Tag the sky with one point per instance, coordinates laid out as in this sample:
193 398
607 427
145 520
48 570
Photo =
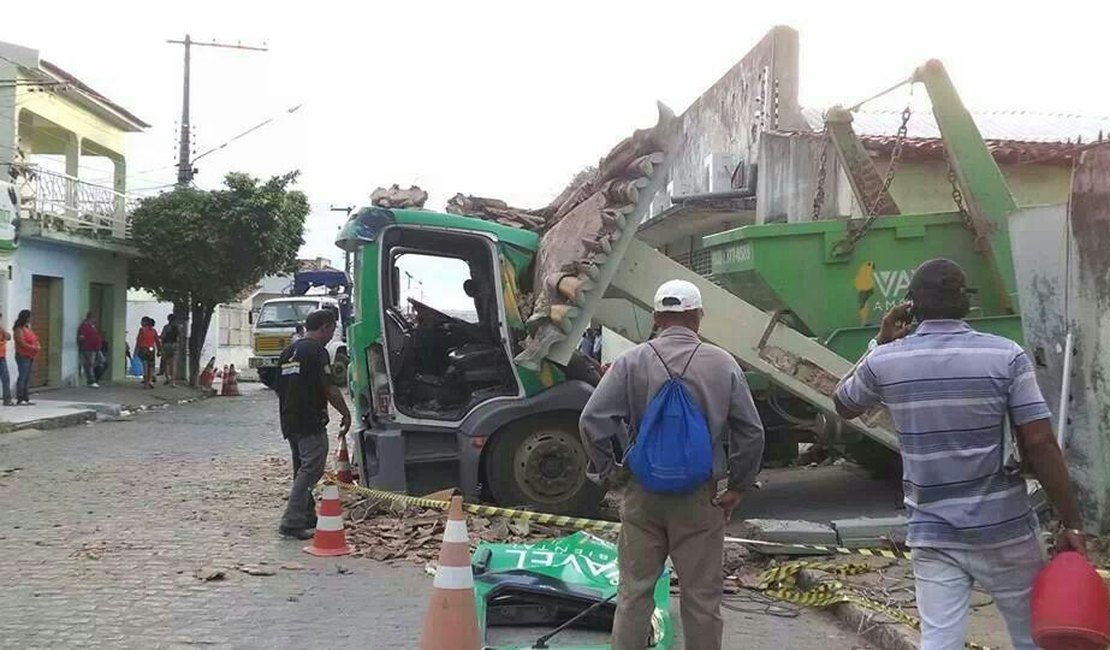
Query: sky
510 99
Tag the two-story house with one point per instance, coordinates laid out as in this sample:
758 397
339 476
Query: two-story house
65 250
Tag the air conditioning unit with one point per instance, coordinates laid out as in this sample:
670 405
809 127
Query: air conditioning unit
720 169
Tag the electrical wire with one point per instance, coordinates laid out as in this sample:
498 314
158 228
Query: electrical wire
758 603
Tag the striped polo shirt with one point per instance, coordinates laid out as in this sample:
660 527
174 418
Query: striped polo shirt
948 389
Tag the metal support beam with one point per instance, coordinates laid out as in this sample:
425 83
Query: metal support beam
984 189
866 182
798 364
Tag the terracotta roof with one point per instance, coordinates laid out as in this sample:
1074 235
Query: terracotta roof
1014 137
1009 152
1021 126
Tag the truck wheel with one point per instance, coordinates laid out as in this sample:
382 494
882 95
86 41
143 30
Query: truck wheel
268 377
882 463
339 369
539 462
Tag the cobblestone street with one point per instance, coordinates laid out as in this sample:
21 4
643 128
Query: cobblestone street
105 526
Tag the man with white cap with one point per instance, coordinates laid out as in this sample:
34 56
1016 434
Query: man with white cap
688 527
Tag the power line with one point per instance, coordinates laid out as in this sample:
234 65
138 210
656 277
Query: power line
185 170
254 128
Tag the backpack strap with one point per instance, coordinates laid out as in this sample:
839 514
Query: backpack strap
684 368
687 366
669 373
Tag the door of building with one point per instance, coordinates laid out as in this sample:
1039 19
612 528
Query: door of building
100 305
41 300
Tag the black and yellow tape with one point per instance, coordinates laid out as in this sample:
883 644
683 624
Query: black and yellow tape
595 525
561 521
780 582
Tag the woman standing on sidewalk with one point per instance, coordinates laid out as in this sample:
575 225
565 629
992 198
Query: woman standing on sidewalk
169 349
5 378
146 346
26 349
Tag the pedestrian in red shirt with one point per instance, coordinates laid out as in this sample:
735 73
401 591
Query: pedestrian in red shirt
147 344
89 343
5 378
27 347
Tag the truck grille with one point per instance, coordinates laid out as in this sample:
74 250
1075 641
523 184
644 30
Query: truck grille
270 344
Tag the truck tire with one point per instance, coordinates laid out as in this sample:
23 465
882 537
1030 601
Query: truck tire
539 463
339 369
268 376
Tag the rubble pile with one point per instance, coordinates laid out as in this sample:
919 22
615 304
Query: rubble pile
389 531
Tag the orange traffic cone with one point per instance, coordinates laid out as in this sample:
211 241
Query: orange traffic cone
343 462
208 374
452 621
230 387
330 539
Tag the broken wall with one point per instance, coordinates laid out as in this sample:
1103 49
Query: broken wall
1062 263
759 93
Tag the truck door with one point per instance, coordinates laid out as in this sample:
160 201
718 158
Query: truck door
443 323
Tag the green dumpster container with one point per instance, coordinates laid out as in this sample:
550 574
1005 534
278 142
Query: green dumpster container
840 299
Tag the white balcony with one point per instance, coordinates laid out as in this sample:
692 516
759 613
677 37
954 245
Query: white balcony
52 203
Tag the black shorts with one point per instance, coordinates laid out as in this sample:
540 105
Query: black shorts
146 354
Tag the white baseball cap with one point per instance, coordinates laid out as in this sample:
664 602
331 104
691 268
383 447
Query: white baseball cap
677 295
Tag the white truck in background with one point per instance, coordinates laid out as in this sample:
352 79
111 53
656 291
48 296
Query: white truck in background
273 327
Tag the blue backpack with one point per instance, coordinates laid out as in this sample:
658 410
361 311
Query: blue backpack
672 452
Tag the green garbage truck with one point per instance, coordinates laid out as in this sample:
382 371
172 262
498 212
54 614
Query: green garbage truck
480 385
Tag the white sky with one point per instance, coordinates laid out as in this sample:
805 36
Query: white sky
510 99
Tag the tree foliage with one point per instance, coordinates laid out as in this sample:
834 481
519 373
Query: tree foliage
201 248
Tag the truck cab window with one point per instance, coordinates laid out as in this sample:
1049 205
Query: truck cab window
446 349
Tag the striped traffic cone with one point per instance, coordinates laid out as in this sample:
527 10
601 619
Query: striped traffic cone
330 540
343 462
452 620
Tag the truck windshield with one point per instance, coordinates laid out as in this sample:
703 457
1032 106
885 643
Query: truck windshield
285 314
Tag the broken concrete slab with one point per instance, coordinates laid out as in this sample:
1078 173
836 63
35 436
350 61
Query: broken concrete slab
870 532
787 531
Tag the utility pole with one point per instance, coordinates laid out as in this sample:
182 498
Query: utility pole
184 166
185 171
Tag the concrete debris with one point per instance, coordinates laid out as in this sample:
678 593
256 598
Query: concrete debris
395 197
870 532
256 570
791 532
387 531
209 574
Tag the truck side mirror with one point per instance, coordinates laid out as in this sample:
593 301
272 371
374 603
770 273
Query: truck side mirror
250 317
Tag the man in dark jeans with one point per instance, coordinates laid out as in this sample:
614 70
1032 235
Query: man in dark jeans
304 389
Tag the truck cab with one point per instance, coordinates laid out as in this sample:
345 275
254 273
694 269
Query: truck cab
276 322
439 402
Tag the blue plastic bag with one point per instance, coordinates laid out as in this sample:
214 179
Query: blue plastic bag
136 369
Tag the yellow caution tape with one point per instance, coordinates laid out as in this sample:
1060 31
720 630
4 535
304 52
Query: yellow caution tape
581 523
780 582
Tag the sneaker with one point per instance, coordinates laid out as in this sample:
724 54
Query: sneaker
295 533
94 385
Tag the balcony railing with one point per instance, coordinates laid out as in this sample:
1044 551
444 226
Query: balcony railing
62 203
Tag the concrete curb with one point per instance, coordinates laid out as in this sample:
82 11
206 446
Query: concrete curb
76 418
885 635
126 410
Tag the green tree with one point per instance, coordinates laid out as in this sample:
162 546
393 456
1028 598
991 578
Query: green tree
201 248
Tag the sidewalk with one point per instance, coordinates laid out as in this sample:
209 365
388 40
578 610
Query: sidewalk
63 407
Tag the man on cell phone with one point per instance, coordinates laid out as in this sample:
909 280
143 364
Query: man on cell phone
953 392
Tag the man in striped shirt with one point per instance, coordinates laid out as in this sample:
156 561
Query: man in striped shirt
951 392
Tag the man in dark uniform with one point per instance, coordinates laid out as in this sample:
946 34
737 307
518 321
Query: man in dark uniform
304 390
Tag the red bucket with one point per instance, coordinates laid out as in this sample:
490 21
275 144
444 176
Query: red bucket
1070 606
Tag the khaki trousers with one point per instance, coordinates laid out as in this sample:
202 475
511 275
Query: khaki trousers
691 530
